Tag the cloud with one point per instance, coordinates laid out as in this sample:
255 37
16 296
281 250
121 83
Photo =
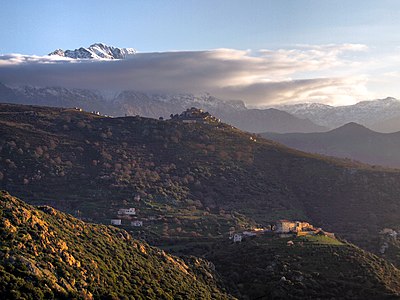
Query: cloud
19 59
334 91
259 78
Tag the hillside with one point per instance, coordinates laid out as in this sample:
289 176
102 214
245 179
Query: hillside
312 268
196 180
46 254
349 141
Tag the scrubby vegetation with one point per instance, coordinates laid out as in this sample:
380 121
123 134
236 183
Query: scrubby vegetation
190 184
195 181
46 254
267 267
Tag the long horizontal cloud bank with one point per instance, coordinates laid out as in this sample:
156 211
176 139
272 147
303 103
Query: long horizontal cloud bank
261 78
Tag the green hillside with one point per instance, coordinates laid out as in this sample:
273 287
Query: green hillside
313 267
187 181
46 254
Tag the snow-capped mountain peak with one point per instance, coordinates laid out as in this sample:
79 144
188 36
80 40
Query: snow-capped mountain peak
96 51
367 113
301 108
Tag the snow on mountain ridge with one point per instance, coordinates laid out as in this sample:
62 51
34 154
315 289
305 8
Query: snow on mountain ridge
32 91
131 103
303 108
202 100
96 51
365 112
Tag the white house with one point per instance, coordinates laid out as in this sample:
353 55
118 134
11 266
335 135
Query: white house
137 223
127 211
116 222
249 233
237 238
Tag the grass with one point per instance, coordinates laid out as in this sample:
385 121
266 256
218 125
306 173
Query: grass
319 240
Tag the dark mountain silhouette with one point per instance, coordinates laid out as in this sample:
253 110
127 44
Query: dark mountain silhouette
352 141
253 120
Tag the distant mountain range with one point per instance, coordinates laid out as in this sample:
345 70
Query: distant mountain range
96 51
381 115
53 96
352 141
133 103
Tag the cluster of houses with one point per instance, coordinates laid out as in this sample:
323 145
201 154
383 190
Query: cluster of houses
129 216
127 213
282 228
195 115
94 112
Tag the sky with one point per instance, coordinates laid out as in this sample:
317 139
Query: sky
263 52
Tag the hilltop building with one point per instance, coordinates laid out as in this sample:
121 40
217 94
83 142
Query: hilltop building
195 115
